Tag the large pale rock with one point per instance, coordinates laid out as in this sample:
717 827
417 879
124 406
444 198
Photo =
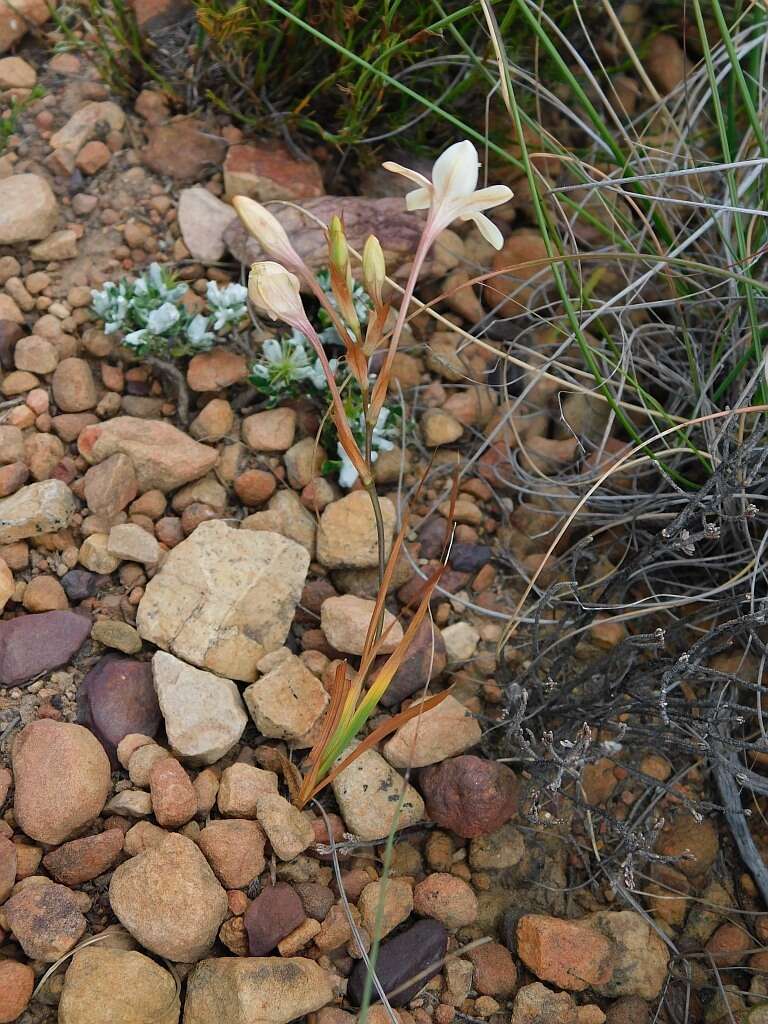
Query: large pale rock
203 219
204 713
444 731
224 598
347 538
163 457
368 793
118 986
44 507
169 899
28 207
245 990
62 778
287 700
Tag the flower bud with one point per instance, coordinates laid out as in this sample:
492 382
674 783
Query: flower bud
338 252
274 291
374 268
267 230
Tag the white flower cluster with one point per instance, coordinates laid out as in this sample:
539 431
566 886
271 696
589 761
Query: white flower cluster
154 319
284 364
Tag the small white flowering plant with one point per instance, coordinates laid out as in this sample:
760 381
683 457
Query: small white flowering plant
154 320
361 418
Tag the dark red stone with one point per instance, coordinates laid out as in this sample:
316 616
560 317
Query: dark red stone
469 795
117 698
33 644
275 913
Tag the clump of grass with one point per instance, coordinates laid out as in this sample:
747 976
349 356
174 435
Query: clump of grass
9 121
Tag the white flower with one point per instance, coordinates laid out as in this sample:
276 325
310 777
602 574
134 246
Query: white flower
317 377
198 334
136 338
347 474
162 318
378 435
451 193
227 303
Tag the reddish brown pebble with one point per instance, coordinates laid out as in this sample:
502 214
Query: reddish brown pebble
16 984
174 800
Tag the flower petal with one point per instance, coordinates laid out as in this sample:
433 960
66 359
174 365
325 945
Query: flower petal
455 171
419 179
486 199
419 199
487 229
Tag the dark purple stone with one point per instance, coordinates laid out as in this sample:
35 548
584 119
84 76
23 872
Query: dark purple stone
275 913
432 534
33 644
79 584
470 557
419 665
416 953
117 698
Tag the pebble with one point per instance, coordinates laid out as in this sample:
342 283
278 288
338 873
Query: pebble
16 73
130 803
44 594
694 842
28 209
240 787
270 431
498 850
235 851
346 536
254 487
275 913
204 713
150 894
17 982
384 905
417 951
35 354
184 149
43 507
62 778
461 640
640 958
203 219
120 636
270 989
45 920
440 428
223 598
537 1004
495 973
73 386
174 801
84 859
7 867
116 699
565 953
345 621
110 486
442 732
288 830
132 543
163 457
446 898
288 700
214 422
119 985
469 795
368 794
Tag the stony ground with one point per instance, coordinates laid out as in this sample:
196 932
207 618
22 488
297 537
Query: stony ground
177 591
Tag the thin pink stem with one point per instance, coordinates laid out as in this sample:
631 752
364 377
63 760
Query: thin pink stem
431 230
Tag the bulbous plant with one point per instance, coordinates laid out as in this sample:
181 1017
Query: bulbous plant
274 290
